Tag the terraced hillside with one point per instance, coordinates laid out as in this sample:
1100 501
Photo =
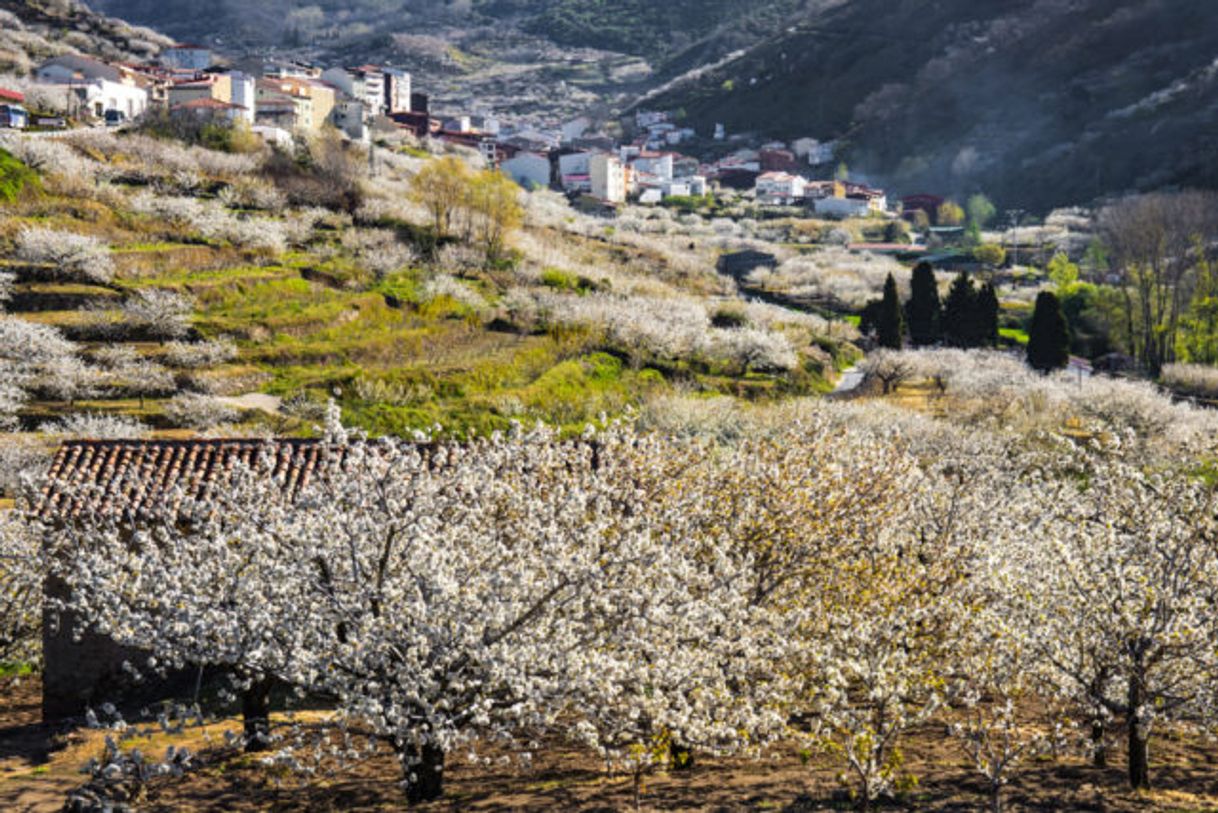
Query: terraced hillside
173 289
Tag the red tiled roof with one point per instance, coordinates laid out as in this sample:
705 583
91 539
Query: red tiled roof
12 96
134 476
207 104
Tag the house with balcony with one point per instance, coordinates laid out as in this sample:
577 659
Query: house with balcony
780 188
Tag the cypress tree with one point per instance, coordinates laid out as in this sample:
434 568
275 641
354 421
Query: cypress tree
891 325
960 312
1048 335
987 316
924 311
869 317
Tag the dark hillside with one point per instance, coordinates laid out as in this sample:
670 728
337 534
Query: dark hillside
1042 103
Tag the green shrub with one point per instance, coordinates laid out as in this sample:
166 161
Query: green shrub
561 280
15 178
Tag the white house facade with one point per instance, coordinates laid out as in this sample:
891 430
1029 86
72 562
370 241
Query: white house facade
529 169
608 178
780 188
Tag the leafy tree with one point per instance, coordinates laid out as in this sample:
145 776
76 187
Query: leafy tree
869 317
972 236
960 312
442 188
1062 273
990 254
843 172
891 326
1096 258
980 210
1152 239
949 214
924 311
897 231
494 203
1199 332
1048 335
987 316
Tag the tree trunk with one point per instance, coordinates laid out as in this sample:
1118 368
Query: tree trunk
1139 758
256 714
996 798
1139 750
1099 757
423 769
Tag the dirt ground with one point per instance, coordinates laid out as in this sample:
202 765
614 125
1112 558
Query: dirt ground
39 767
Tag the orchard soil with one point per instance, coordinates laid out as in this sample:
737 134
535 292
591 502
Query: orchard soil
39 767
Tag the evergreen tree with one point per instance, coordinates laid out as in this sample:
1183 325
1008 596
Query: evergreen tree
869 317
960 313
924 311
891 325
1048 335
987 316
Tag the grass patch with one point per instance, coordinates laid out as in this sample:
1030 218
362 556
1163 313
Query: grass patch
15 178
1014 335
16 670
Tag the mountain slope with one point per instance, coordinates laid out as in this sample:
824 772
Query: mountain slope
1040 103
32 30
690 31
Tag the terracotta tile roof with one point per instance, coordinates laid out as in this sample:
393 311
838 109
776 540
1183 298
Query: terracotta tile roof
11 95
133 476
208 104
130 479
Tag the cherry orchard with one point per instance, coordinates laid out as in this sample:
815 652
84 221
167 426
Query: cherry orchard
833 575
445 593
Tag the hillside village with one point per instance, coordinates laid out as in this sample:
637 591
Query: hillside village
367 439
277 98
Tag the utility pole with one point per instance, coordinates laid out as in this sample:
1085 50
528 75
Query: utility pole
1013 217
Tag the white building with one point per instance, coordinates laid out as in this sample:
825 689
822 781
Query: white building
71 68
93 87
608 177
780 188
575 128
245 94
656 165
460 124
676 189
574 171
184 57
101 95
275 136
365 84
851 206
645 119
398 87
816 153
529 169
349 116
